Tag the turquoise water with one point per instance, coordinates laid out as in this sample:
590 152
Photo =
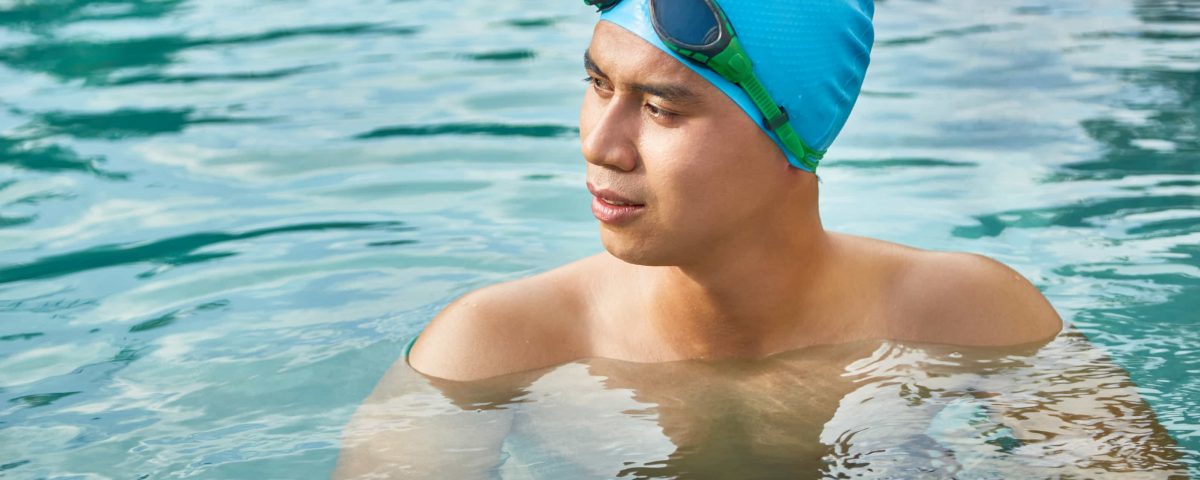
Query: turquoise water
221 220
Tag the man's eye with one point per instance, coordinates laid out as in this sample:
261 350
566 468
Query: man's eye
597 83
656 111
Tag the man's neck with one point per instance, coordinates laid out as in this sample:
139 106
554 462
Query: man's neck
746 300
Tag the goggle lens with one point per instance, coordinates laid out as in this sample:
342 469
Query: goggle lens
688 22
602 5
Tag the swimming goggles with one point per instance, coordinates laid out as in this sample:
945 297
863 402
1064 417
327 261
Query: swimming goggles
699 31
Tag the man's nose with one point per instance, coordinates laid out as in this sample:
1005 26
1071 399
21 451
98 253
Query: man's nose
610 140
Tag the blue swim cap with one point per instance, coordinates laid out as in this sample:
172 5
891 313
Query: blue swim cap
811 55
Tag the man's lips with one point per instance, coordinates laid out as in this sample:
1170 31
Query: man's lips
612 198
613 208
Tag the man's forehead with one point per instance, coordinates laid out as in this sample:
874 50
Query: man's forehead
623 55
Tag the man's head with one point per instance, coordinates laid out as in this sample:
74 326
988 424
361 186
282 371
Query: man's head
810 56
689 147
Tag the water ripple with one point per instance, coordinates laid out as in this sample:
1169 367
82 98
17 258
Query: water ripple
162 78
540 22
122 123
947 33
501 55
175 250
43 15
486 129
35 156
888 163
1082 214
174 316
93 61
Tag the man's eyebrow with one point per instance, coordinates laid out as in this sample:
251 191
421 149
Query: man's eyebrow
673 93
588 64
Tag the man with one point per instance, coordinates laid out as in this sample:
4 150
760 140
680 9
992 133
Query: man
709 214
715 251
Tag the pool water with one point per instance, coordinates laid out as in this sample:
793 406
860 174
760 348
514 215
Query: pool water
222 220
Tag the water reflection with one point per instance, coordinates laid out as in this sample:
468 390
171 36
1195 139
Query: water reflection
15 221
1166 137
1168 142
1167 11
122 123
95 62
488 129
51 158
176 315
43 15
891 163
181 78
20 336
1083 214
175 251
533 23
946 33
27 146
876 409
501 55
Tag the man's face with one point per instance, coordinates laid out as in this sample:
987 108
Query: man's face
701 174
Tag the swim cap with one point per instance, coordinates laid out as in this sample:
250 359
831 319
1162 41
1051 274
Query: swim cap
811 55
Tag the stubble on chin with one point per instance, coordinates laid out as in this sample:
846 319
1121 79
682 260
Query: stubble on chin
640 250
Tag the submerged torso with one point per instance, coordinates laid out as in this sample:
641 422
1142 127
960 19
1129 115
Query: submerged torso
732 416
872 408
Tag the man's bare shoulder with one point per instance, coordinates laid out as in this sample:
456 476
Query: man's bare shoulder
966 299
509 327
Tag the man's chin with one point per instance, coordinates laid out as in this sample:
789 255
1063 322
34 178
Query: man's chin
638 251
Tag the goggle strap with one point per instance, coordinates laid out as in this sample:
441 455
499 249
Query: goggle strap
777 120
780 120
799 149
772 113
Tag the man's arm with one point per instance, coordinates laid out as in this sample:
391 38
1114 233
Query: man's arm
505 328
412 426
1059 410
445 410
1071 405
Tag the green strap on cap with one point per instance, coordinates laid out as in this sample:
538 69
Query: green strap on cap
734 64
